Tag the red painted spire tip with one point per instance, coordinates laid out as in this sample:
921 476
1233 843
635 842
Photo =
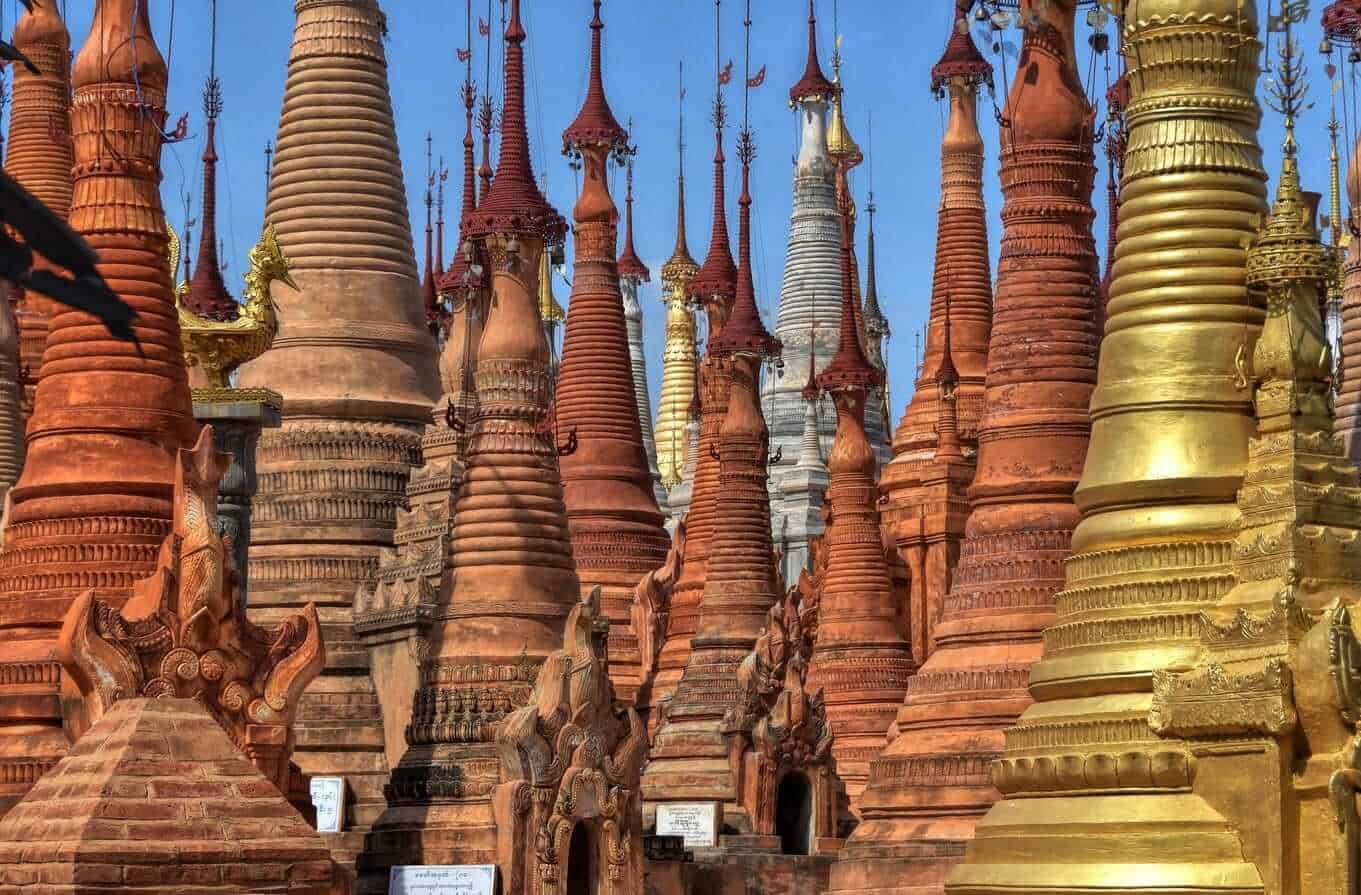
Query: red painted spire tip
849 368
961 58
595 124
813 85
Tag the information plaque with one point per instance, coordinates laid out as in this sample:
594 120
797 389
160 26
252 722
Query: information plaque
695 822
453 879
328 797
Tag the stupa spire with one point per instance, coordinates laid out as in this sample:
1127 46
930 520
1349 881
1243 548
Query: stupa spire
443 175
678 357
208 296
715 285
110 416
739 573
1154 550
711 289
813 84
39 156
860 658
356 361
630 265
515 580
429 296
1031 442
607 482
929 542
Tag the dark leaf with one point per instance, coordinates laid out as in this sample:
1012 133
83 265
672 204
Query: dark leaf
15 258
10 54
46 233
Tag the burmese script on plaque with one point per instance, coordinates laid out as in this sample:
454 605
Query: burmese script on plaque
695 822
453 879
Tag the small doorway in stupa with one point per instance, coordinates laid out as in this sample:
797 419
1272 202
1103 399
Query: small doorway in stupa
794 814
581 875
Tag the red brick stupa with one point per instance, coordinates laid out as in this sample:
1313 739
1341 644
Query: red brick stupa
514 578
713 288
40 154
94 501
617 531
690 757
932 784
927 506
860 659
208 296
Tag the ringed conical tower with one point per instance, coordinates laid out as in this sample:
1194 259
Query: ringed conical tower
39 155
810 300
689 756
926 505
617 531
932 783
514 578
1085 780
712 289
633 273
860 661
94 502
356 366
679 357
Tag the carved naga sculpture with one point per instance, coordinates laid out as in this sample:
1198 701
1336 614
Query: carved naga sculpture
652 603
572 755
184 632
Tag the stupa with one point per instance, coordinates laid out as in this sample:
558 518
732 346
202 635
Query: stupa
679 357
1084 777
932 783
926 502
633 273
810 300
356 365
861 662
617 531
514 580
712 289
690 757
95 498
40 155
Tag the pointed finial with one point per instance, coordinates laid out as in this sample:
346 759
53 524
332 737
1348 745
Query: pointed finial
595 124
715 283
813 86
744 331
630 265
848 368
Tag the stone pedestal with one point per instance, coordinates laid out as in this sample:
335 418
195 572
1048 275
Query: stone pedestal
237 416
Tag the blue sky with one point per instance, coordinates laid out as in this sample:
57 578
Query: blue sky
889 48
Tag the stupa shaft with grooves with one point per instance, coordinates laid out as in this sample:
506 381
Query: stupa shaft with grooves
926 504
810 302
932 783
94 501
1093 799
514 579
617 530
356 366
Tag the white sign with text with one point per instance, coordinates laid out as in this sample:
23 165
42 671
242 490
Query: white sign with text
696 822
328 797
453 879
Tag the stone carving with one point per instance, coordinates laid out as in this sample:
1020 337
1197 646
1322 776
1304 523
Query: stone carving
573 756
183 633
780 727
651 607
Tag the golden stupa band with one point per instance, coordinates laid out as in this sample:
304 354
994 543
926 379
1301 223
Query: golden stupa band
1194 724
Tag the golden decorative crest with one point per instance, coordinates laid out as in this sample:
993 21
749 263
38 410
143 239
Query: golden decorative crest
220 347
